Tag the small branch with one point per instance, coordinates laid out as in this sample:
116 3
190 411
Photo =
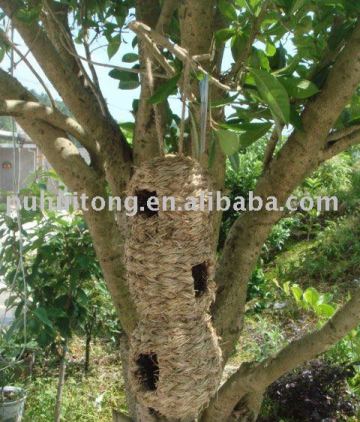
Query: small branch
157 113
67 43
156 53
181 53
270 148
60 387
330 54
111 66
339 134
239 65
167 11
340 141
256 377
7 41
89 61
62 154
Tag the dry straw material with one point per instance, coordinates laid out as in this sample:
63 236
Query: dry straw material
174 360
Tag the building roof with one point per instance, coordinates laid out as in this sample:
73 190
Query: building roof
21 138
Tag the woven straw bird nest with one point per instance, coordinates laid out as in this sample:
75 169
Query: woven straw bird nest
175 361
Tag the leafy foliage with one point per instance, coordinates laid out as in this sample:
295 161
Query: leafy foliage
65 289
334 257
62 273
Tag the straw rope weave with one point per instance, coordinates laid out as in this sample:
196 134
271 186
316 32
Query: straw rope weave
175 337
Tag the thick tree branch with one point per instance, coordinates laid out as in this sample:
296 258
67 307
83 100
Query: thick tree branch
299 156
53 141
54 117
55 20
91 65
198 40
67 77
24 104
167 11
66 160
8 42
146 143
256 377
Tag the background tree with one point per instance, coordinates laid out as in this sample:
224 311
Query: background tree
295 66
65 294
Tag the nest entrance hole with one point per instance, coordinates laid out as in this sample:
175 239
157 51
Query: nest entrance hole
148 371
143 197
200 276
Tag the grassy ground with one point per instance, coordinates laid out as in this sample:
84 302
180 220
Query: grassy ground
88 398
321 390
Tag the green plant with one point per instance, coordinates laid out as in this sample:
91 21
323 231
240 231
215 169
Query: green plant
65 291
311 300
333 257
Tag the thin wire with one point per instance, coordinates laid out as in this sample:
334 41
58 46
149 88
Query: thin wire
204 95
28 64
16 191
184 96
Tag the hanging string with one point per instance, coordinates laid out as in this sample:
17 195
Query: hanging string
184 97
204 108
157 114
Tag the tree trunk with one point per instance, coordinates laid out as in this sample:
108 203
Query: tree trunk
247 410
87 352
60 387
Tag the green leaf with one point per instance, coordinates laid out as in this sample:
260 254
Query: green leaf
311 296
166 89
299 88
325 310
223 35
114 46
229 141
228 10
238 44
212 151
273 94
298 4
42 316
28 16
246 4
259 59
270 49
295 119
235 162
249 132
297 292
130 58
224 101
128 80
286 288
2 53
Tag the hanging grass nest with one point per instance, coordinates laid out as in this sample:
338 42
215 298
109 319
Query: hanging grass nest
175 361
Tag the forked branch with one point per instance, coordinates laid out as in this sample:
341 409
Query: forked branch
179 52
256 377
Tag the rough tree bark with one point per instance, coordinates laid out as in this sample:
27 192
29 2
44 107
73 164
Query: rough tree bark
112 160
